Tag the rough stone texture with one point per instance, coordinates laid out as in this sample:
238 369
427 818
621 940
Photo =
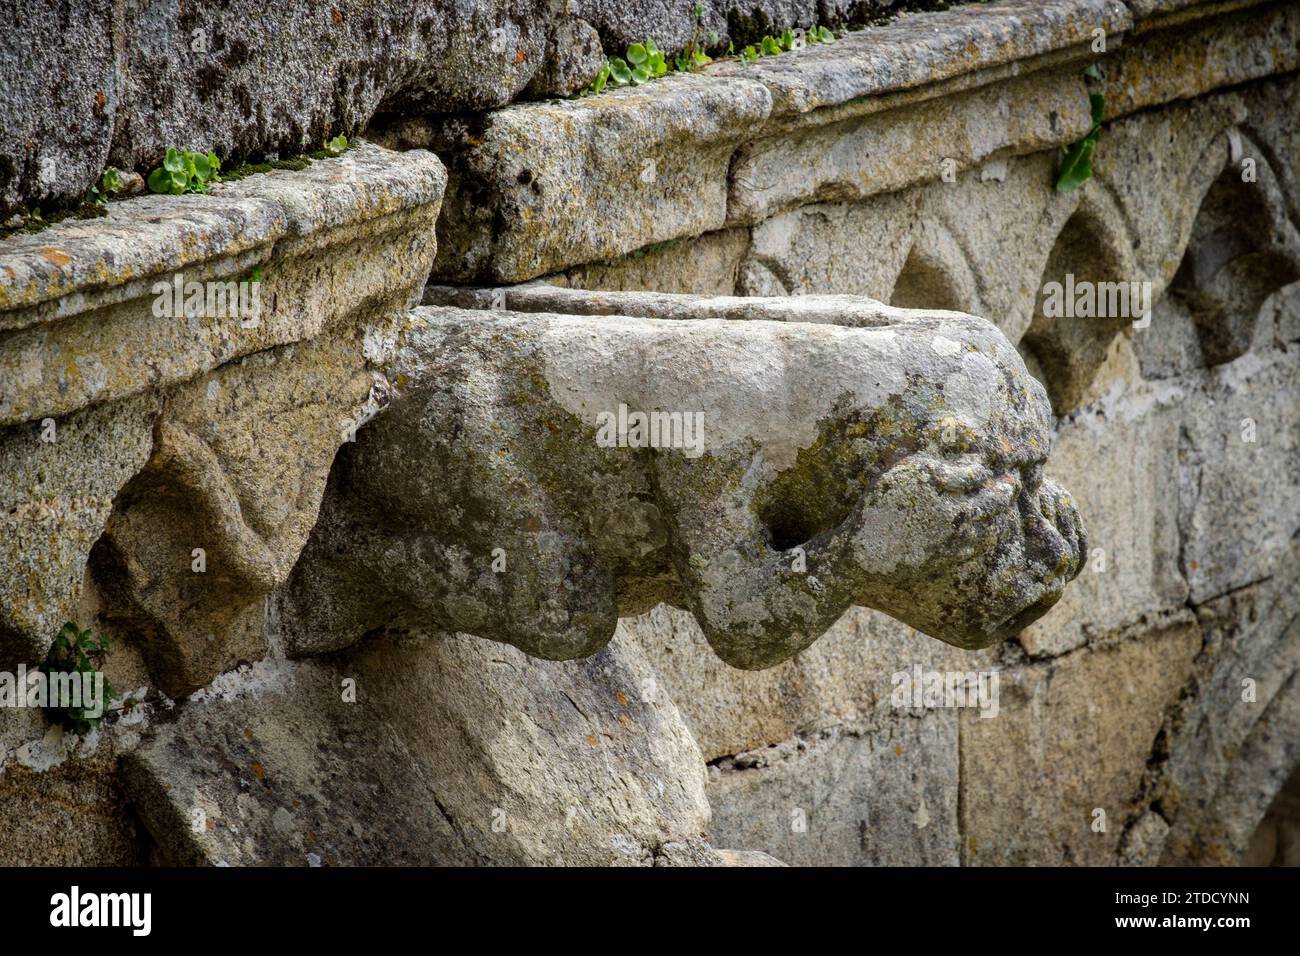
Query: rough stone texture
887 150
539 188
242 78
1143 841
456 751
1229 748
927 49
78 296
1277 841
830 708
61 802
843 679
673 23
73 815
572 60
238 469
1222 473
55 499
748 858
54 142
898 466
247 79
237 453
587 193
844 798
1124 456
1079 728
882 108
1178 496
1255 40
1163 689
706 266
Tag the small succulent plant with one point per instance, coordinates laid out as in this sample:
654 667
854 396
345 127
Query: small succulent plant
185 172
109 182
787 41
645 61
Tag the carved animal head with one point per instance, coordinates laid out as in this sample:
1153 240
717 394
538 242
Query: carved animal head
934 504
918 490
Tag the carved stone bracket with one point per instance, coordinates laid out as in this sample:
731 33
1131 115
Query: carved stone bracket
189 445
546 467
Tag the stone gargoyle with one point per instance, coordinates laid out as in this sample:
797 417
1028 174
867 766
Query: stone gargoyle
538 474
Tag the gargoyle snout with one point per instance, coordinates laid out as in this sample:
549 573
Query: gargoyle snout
1055 538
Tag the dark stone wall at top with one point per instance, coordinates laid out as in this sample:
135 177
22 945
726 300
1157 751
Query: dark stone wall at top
88 83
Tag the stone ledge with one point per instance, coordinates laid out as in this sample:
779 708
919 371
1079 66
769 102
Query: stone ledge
81 290
847 310
548 185
151 234
919 51
829 123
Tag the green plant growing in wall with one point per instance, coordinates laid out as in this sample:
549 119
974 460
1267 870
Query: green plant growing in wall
693 56
109 182
185 172
1076 159
691 61
76 651
787 41
181 172
599 83
645 61
336 146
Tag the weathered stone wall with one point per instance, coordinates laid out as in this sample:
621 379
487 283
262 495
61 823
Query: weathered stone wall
912 163
1178 440
254 79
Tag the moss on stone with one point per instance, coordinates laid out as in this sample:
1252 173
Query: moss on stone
33 222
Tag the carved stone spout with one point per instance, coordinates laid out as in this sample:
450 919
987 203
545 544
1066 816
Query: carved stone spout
540 472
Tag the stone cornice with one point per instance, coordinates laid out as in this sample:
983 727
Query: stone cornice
876 111
76 321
